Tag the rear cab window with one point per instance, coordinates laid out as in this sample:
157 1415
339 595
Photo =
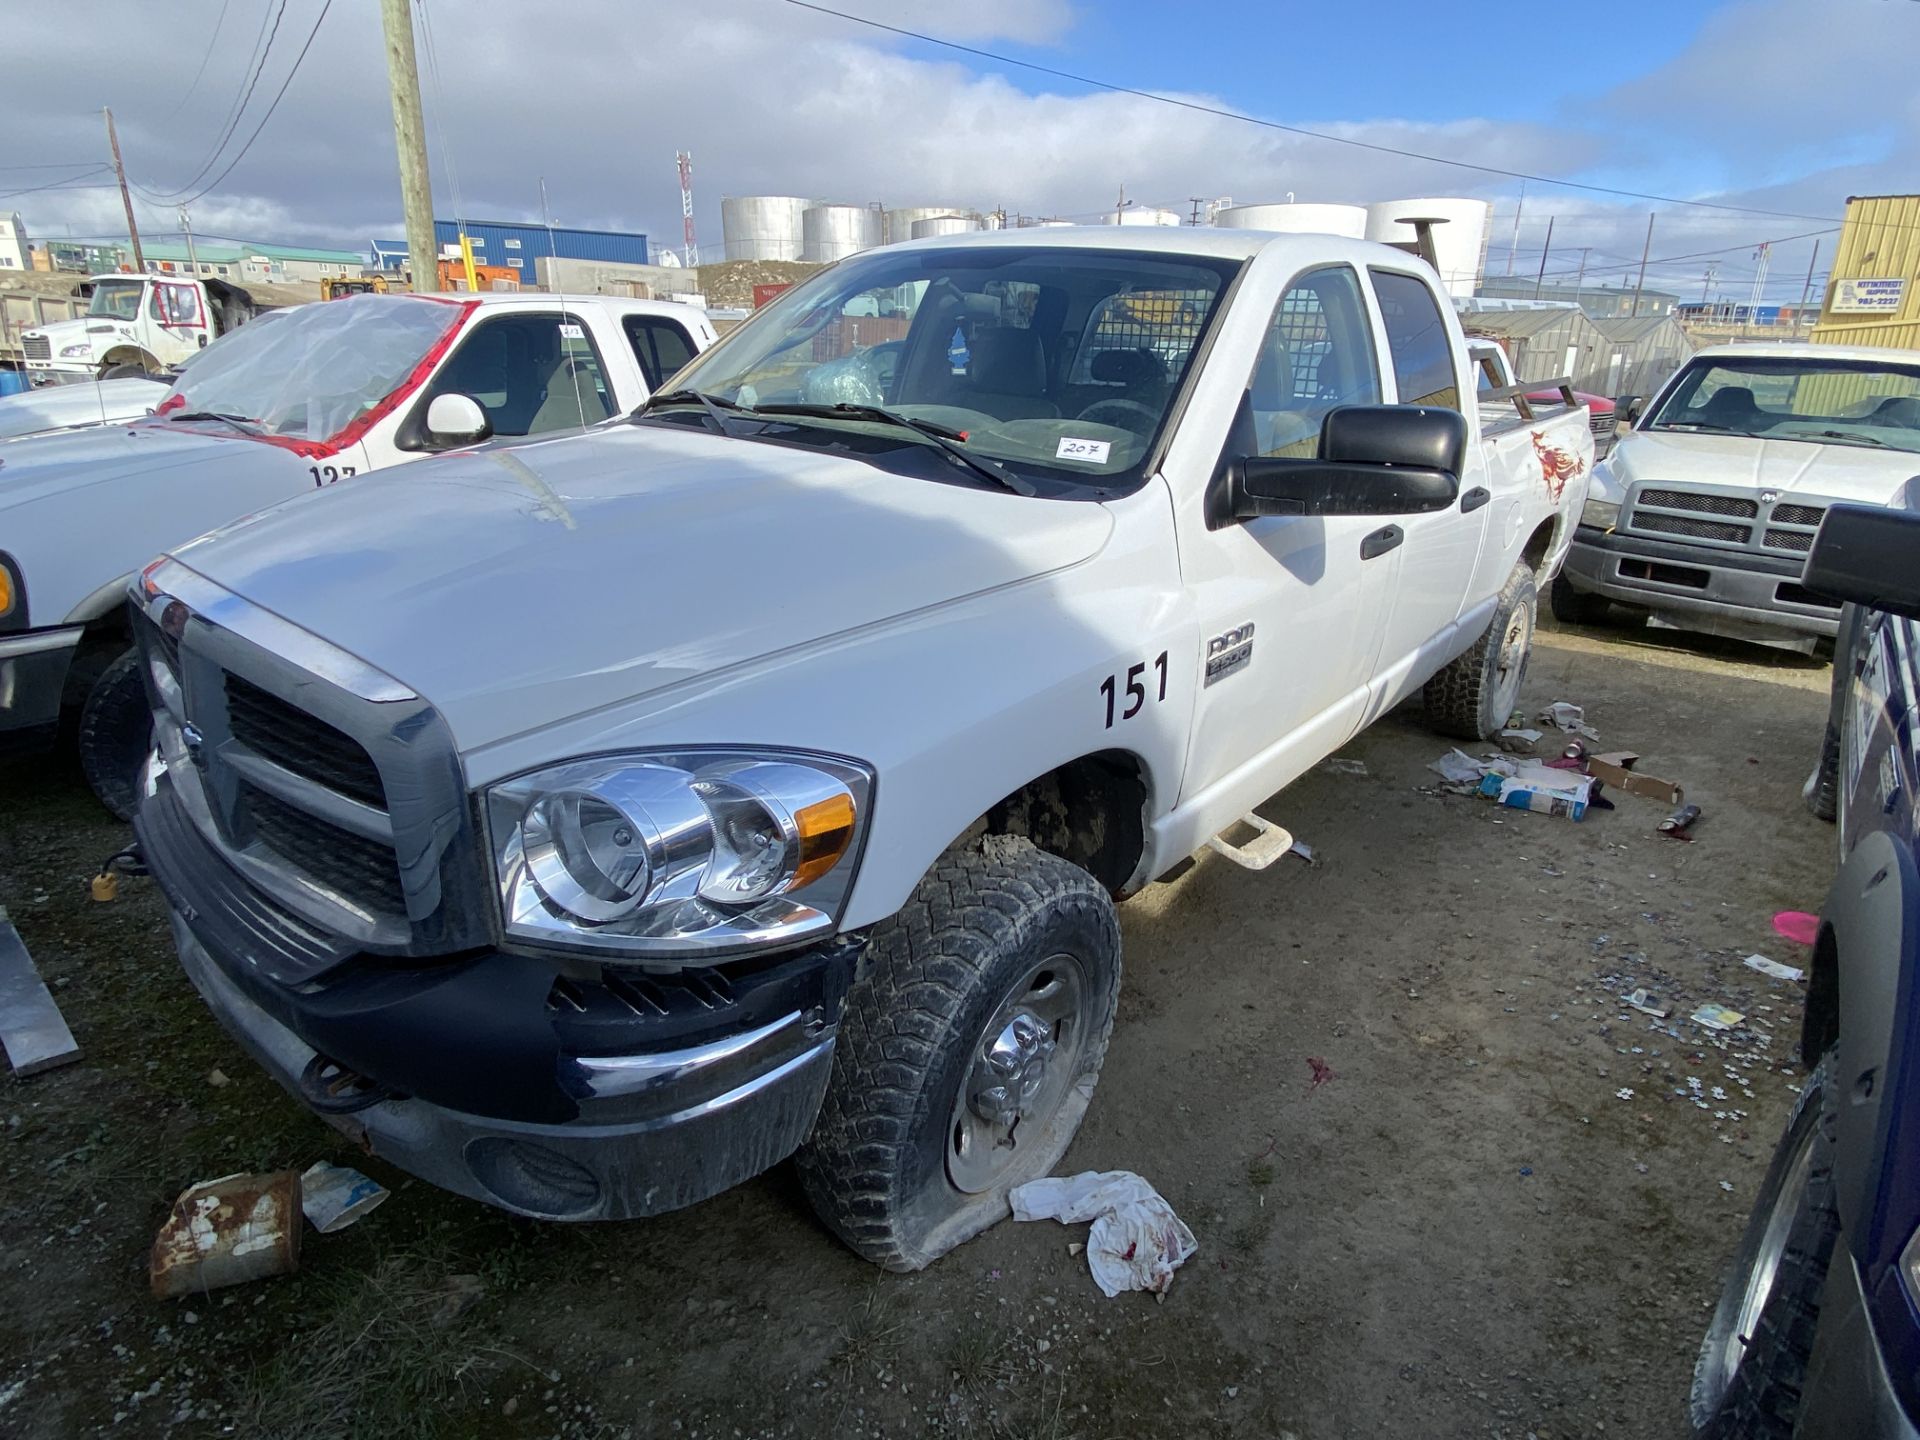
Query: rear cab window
661 346
1417 341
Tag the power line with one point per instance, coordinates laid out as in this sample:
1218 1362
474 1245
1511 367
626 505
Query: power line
1225 114
64 184
278 97
232 123
213 35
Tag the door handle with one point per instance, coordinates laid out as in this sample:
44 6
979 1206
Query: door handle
1474 499
1381 541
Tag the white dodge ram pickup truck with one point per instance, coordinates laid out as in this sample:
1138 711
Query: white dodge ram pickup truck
1705 512
294 401
589 825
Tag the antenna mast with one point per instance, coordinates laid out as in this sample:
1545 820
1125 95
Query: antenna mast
690 251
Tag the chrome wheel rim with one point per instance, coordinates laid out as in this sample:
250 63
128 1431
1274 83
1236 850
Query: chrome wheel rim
1511 662
1724 1359
1020 1069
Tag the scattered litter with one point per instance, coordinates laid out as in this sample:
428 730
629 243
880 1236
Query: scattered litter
1647 1004
1530 736
1616 769
1676 825
456 1295
1322 1073
1344 767
1798 926
1459 768
1303 850
1136 1243
32 1029
1526 1170
1563 716
1625 1092
1773 968
1727 1185
1540 788
227 1232
106 885
1075 1247
1717 1017
218 1078
333 1197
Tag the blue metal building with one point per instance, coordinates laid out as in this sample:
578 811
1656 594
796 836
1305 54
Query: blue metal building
517 245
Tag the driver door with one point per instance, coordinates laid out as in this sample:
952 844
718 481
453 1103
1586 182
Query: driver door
1292 609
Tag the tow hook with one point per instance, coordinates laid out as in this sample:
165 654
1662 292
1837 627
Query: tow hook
333 1089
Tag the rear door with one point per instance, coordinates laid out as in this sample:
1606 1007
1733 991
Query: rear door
1438 549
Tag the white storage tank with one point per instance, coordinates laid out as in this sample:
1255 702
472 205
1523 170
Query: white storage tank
1347 221
898 224
944 225
1147 215
833 232
1460 244
762 227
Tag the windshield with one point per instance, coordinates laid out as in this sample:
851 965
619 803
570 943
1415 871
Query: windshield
1779 397
309 372
117 299
1060 363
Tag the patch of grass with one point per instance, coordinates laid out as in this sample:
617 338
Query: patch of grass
869 1340
1260 1172
1049 1422
978 1360
386 1355
1250 1234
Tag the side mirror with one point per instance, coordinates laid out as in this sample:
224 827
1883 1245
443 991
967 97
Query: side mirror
1374 460
1864 553
1630 407
457 420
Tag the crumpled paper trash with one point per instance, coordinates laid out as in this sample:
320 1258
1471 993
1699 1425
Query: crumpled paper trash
1136 1243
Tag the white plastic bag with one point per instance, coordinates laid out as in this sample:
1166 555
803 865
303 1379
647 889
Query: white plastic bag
1137 1242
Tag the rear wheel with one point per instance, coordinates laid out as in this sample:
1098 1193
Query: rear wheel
1577 607
125 370
968 1054
1473 696
1753 1362
116 732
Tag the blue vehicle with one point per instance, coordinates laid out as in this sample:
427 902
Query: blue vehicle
1817 1333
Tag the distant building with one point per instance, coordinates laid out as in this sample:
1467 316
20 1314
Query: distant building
228 260
1728 312
1601 302
1873 290
516 246
13 244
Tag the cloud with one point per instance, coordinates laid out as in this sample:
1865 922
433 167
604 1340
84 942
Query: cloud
770 98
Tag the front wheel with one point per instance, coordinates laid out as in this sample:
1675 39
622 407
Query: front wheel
1753 1361
1473 696
968 1053
116 732
1577 607
125 370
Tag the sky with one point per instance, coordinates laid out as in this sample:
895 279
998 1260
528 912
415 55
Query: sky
1786 106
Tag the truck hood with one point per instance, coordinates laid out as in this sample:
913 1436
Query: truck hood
94 330
520 586
37 467
1839 472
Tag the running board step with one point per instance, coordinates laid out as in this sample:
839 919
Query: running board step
1267 846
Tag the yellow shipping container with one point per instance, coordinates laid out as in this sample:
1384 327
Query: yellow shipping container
1880 240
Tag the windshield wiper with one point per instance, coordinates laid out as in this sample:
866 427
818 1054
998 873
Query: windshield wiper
1851 435
715 406
1698 425
946 438
245 424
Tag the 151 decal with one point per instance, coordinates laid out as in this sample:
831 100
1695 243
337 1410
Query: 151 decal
1136 692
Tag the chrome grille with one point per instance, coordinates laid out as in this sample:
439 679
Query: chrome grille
297 741
1726 518
1601 425
36 347
360 869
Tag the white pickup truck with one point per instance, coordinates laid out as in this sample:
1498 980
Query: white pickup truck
135 325
1705 512
297 400
587 826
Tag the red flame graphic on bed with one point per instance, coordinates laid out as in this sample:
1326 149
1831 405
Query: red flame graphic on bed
1556 465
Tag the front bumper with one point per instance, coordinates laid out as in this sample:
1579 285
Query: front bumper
1722 591
507 1081
33 679
1848 1394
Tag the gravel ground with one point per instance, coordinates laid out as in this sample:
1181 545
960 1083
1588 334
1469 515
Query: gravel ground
1504 1215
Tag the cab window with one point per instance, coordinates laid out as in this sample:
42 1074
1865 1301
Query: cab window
1318 354
1417 340
530 373
660 345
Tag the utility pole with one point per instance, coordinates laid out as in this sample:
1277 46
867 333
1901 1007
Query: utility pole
1806 289
1537 279
410 139
690 248
1195 220
1119 206
1580 280
1640 284
1706 283
120 172
186 228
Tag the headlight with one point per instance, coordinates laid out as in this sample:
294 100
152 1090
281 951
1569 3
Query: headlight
681 854
1603 513
74 352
